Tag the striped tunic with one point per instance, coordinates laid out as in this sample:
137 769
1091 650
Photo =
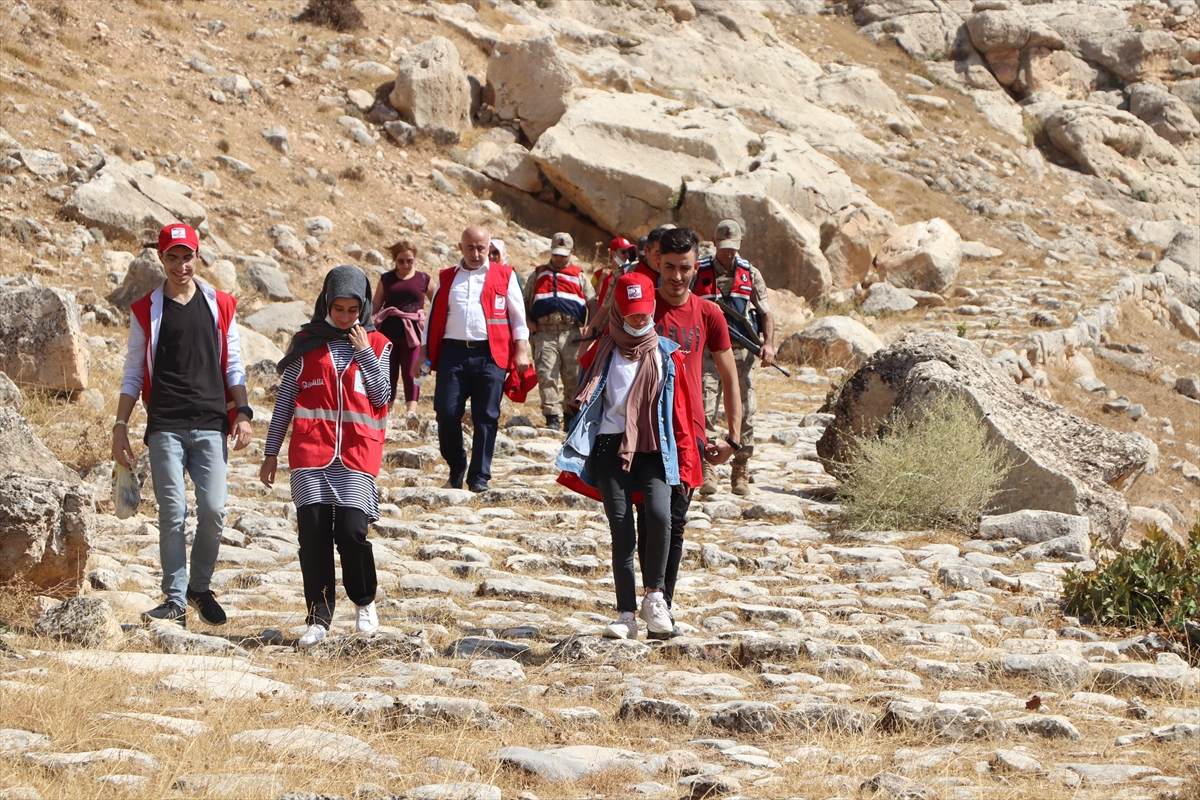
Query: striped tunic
335 484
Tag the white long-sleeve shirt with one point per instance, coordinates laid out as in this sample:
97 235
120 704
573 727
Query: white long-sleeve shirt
465 320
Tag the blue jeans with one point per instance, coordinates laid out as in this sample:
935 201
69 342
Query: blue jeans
202 455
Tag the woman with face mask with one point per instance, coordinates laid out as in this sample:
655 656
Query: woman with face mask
623 448
334 392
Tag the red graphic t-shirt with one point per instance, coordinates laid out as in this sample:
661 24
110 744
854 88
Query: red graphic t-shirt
695 325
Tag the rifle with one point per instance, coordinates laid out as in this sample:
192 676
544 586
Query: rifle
754 347
577 340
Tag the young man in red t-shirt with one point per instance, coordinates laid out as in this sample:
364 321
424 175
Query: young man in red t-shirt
694 324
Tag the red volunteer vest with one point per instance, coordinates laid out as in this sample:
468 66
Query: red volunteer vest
706 282
226 306
494 299
559 292
325 397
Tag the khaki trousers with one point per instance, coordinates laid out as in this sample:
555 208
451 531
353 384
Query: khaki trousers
556 357
714 406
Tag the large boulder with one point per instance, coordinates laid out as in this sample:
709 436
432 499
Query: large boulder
41 342
111 202
1131 55
22 452
998 30
1167 114
256 347
274 319
1189 92
855 238
88 621
861 89
923 255
45 532
1056 73
831 342
1060 462
432 90
144 275
529 79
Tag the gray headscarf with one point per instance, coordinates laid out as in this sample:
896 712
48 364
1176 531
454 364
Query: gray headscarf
341 282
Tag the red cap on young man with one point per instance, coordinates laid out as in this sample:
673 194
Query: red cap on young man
177 234
634 293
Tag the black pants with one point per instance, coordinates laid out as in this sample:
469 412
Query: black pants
616 486
321 526
468 372
680 503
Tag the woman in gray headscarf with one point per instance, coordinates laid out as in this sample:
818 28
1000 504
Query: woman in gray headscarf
334 392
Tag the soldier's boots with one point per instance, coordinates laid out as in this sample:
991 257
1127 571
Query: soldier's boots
710 479
554 422
740 479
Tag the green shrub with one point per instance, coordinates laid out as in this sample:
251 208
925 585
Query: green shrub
935 469
341 15
1156 585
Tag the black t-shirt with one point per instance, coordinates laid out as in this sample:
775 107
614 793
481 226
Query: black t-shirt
187 391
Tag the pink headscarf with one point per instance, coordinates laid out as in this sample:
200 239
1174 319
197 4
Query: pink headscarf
499 245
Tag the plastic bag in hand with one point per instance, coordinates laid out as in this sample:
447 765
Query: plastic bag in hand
126 492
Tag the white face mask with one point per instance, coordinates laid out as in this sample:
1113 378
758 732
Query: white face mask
639 332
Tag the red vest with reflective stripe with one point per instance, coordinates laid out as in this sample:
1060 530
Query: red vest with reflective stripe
706 282
325 398
226 306
560 292
494 299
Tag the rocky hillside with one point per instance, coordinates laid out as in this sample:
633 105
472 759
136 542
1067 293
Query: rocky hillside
998 198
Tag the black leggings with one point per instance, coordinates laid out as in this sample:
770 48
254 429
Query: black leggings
680 503
616 486
320 527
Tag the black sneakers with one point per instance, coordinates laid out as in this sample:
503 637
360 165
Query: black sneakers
455 482
207 607
478 486
554 422
167 612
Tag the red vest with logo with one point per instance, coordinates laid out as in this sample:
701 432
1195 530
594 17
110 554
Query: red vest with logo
226 306
325 398
494 299
706 282
560 292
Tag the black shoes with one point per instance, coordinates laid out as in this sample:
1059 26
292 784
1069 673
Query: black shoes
167 612
479 486
207 607
455 482
554 422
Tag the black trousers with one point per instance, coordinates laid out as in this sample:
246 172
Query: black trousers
320 527
616 486
468 373
680 503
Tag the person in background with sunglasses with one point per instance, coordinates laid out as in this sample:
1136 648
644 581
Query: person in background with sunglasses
398 306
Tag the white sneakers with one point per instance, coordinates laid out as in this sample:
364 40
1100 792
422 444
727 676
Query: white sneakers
312 635
624 627
655 613
367 621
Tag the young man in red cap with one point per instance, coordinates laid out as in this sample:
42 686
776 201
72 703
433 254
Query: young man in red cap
185 362
634 434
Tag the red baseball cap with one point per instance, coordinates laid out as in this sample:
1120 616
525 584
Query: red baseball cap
619 244
634 294
517 386
177 234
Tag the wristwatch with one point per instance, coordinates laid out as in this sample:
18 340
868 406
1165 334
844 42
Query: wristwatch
732 443
247 410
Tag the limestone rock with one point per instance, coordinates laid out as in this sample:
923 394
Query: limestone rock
883 298
530 80
888 786
1032 527
998 30
110 202
1133 56
10 393
671 712
267 281
277 137
22 452
923 255
45 531
432 91
1056 672
564 764
831 341
41 340
1168 115
1057 73
1189 92
274 319
256 347
862 90
1043 440
143 275
81 620
42 163
854 243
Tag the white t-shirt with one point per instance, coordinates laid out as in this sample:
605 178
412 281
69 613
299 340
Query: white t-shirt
621 373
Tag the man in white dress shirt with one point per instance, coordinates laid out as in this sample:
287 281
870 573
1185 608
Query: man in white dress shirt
476 334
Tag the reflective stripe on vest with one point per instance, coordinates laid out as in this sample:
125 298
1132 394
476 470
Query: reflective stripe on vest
330 415
558 292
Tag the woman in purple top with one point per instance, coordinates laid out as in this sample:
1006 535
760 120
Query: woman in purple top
399 307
